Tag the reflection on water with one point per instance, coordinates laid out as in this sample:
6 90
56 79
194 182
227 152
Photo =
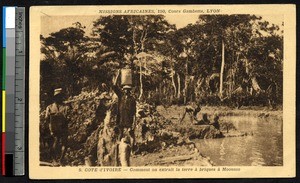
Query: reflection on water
264 148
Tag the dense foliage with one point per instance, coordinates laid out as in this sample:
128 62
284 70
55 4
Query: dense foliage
219 60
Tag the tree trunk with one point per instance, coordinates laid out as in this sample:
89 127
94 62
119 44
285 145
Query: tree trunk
222 71
179 87
185 81
164 87
234 72
185 90
247 67
141 81
255 85
231 75
248 75
173 83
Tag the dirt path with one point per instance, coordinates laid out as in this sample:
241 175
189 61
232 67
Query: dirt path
185 155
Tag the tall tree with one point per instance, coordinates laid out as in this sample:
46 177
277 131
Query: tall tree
63 52
229 34
128 36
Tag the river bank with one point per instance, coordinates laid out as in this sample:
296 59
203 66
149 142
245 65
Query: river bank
195 154
160 138
174 113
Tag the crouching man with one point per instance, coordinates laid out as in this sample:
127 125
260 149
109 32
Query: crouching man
192 113
215 122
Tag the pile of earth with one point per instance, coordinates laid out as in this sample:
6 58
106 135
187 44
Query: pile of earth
184 155
153 131
203 131
191 131
84 127
81 125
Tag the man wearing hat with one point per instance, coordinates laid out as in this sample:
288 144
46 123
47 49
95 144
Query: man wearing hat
57 118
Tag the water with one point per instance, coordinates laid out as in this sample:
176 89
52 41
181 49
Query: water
264 148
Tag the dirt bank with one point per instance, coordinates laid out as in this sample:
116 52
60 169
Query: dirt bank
187 154
174 113
184 155
159 135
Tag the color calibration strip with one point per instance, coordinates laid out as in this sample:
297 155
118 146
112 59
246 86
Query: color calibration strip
13 91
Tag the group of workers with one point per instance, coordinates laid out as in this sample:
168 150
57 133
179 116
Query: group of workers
116 116
116 138
192 112
115 113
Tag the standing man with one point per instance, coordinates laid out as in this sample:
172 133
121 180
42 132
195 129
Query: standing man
126 121
127 110
57 118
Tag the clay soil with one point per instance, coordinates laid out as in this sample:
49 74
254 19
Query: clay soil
188 154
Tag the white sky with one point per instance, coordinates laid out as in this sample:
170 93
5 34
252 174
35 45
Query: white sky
54 23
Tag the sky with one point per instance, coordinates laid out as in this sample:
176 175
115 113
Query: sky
54 23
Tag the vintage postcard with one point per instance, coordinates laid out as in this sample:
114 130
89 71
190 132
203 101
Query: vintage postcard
168 91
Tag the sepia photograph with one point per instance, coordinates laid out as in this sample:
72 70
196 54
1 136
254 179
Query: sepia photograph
181 89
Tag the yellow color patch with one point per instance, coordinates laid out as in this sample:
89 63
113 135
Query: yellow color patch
3 110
